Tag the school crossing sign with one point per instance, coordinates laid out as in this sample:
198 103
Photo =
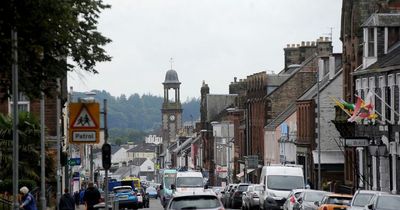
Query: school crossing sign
84 123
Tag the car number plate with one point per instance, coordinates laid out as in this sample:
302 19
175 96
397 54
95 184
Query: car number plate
123 197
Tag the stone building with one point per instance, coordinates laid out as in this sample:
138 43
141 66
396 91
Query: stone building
354 13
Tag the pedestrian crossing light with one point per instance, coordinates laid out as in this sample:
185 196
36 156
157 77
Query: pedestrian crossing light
106 156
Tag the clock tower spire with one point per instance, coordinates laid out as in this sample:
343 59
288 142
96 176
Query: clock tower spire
171 111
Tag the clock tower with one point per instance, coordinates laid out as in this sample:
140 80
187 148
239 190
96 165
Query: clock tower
171 109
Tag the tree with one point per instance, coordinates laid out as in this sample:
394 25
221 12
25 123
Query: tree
49 33
29 148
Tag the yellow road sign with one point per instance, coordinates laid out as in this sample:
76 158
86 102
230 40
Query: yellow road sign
84 123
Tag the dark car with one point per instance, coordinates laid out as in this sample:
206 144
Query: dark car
126 197
236 198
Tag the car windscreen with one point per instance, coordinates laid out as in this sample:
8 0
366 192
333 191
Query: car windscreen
195 202
151 189
242 188
258 188
388 203
362 199
122 190
169 179
338 200
314 196
189 182
279 182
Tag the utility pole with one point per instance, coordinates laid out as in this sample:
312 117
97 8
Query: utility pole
14 57
42 154
105 141
58 126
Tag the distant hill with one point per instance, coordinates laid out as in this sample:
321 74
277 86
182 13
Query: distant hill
131 118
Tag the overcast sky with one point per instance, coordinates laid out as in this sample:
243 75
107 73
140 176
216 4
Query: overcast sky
210 40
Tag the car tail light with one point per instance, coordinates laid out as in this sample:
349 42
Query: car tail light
292 200
237 194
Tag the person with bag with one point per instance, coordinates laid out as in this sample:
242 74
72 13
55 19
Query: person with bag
28 201
91 197
66 201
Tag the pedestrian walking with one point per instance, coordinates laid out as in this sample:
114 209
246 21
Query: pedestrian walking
28 201
76 198
66 201
91 196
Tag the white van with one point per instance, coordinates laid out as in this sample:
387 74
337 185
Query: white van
278 181
189 182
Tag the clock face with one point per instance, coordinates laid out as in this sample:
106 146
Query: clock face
172 117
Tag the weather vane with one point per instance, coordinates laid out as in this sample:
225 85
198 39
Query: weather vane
171 60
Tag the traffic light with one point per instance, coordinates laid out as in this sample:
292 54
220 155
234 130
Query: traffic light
106 156
63 158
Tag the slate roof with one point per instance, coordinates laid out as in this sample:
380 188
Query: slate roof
138 161
145 147
390 61
382 20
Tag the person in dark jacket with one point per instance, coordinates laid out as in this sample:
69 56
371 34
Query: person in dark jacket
28 201
67 202
76 198
91 197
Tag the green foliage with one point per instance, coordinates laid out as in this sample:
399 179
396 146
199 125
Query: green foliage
48 33
29 148
6 185
132 118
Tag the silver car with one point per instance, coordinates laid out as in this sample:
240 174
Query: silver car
206 201
251 197
384 201
307 199
362 198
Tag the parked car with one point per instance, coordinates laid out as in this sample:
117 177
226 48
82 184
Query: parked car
236 199
362 198
334 202
227 194
291 200
126 197
307 198
217 190
250 197
152 192
206 201
384 201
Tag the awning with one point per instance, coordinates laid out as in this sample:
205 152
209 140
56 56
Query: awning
249 170
329 157
240 174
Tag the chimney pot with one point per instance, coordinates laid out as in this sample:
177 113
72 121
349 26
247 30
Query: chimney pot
308 43
303 43
293 45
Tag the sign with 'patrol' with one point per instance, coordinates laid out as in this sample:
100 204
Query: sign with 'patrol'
84 122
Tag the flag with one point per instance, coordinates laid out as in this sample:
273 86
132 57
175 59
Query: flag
364 109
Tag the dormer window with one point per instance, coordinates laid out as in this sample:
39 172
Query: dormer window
393 36
371 42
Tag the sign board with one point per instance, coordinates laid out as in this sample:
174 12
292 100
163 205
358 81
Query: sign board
251 162
84 123
74 161
357 142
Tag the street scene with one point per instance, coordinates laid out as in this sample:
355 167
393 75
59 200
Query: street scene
214 105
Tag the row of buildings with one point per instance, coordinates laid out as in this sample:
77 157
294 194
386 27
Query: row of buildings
292 116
